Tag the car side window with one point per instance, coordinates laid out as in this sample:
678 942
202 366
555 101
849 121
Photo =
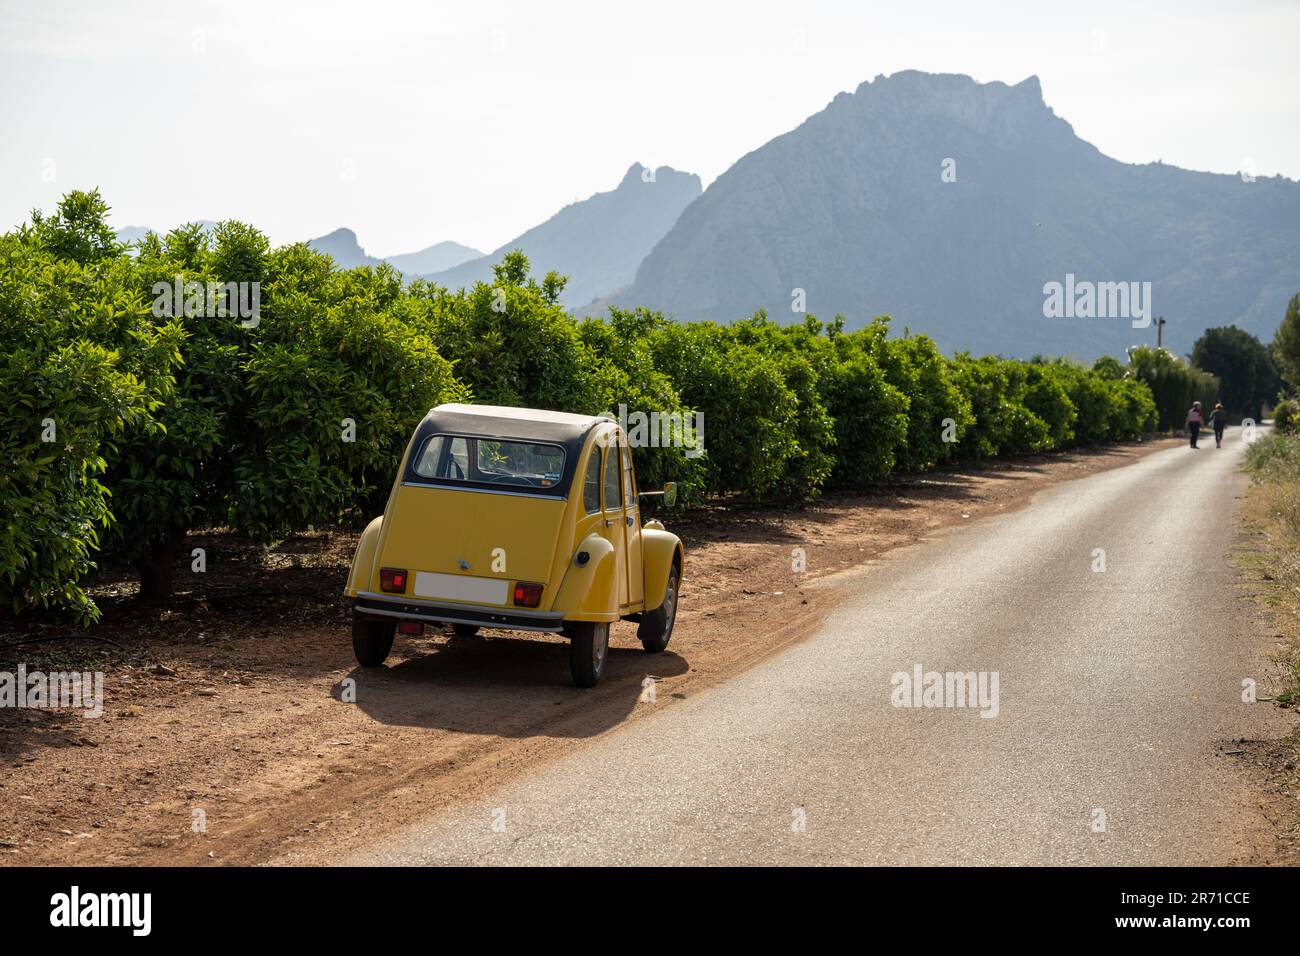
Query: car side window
591 483
629 481
612 479
457 460
427 463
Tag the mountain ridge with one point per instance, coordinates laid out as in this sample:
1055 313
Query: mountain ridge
345 249
599 241
851 207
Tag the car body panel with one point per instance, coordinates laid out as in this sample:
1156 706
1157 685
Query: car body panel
475 533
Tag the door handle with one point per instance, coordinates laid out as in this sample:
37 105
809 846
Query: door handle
629 521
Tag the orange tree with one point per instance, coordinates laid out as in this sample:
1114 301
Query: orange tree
83 365
288 418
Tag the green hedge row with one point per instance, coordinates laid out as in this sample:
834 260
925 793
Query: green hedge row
1174 384
168 420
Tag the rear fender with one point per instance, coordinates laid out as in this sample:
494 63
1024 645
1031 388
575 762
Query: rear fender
363 561
659 550
589 592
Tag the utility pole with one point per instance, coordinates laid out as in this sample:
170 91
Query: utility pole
1160 328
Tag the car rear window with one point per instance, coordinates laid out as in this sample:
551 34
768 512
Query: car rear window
493 461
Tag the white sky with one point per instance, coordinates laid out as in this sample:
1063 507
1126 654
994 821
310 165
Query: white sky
417 122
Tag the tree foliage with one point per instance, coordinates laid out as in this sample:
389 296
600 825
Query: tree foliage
1246 371
82 366
172 417
1286 344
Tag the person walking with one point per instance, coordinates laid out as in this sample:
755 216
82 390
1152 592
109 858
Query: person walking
1194 421
1218 418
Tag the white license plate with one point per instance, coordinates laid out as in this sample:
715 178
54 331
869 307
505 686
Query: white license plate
461 587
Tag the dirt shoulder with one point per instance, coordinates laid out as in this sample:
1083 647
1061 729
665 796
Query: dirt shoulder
227 736
1268 557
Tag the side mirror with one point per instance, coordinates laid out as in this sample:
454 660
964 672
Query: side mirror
670 494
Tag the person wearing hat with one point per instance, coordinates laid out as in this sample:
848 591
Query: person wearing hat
1194 421
1218 418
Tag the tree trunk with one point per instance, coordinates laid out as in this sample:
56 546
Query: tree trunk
157 567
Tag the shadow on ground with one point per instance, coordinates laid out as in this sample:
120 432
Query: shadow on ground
512 686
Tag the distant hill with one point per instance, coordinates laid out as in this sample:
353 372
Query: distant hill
852 208
130 234
434 258
598 242
342 246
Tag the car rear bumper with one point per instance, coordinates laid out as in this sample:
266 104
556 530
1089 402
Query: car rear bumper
414 609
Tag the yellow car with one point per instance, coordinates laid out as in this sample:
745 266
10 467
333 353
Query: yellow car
521 519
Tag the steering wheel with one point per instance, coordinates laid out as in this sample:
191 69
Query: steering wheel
514 479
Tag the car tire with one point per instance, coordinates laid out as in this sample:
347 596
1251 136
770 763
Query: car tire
464 630
372 638
588 650
656 627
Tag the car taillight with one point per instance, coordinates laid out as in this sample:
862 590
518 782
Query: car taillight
528 595
392 580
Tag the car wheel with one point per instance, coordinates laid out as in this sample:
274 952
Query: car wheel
588 648
372 638
657 626
464 630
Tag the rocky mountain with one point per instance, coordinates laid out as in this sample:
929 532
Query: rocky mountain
598 242
342 246
952 205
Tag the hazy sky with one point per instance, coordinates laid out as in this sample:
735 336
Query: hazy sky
418 122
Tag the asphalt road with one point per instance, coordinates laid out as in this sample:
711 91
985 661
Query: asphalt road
1117 692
